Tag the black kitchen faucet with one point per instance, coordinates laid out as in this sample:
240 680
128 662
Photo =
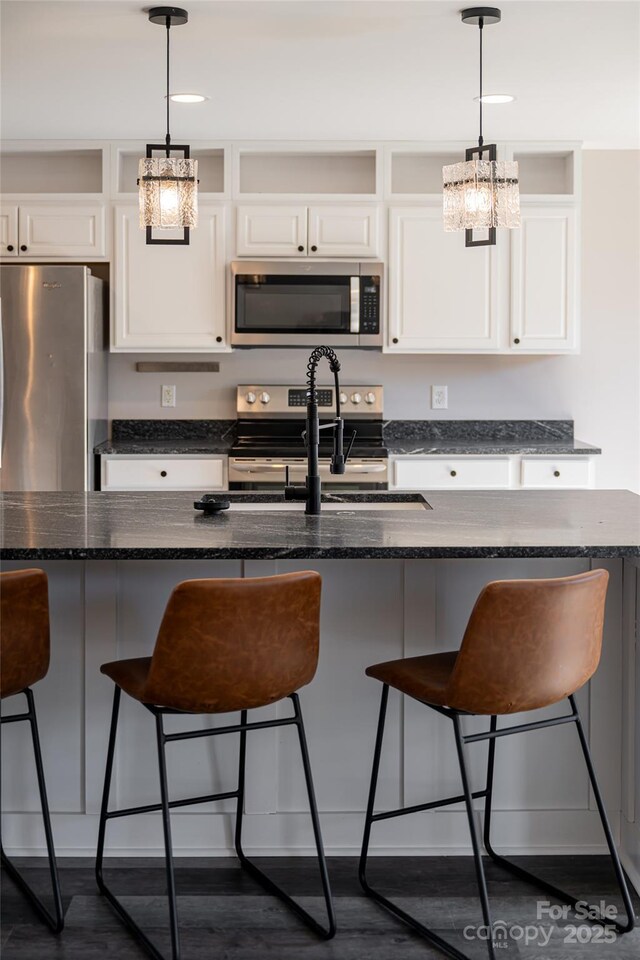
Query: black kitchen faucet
311 491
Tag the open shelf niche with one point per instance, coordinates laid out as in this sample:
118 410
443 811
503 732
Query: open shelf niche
51 171
284 172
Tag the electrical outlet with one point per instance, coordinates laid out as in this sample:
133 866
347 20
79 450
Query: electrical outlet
439 398
167 395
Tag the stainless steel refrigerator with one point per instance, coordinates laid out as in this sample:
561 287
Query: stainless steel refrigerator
54 376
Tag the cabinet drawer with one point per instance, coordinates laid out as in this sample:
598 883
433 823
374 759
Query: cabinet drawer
556 472
453 473
163 473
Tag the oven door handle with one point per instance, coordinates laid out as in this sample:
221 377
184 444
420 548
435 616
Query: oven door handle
362 468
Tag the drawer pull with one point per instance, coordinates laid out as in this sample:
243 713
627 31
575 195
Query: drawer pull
556 473
454 473
163 473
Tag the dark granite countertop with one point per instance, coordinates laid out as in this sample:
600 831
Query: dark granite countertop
402 438
483 524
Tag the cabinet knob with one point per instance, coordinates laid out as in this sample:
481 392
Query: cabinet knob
454 473
23 247
313 249
218 339
10 247
516 339
301 248
395 339
556 473
163 473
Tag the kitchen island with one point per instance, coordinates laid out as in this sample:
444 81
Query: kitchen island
395 583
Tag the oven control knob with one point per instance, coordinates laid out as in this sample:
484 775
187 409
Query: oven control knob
250 397
264 397
356 397
343 397
370 397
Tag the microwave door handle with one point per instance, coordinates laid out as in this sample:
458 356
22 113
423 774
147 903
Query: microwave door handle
354 300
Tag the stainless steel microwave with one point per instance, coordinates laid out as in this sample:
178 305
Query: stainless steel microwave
279 303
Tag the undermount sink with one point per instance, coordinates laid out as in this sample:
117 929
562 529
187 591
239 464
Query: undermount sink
346 503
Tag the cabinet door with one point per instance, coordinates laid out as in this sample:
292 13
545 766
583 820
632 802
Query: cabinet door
544 280
443 296
62 231
9 231
271 231
343 231
169 298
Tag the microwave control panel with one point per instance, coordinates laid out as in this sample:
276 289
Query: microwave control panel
369 305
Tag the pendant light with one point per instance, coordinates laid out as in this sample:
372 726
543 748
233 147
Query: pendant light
168 185
481 192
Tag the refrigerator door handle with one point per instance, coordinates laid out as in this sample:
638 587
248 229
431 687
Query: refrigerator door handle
1 386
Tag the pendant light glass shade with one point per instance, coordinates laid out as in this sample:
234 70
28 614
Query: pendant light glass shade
481 194
168 192
168 182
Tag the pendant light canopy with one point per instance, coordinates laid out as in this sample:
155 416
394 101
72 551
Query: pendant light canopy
167 176
481 192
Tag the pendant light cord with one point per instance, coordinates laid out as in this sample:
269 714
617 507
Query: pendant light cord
480 25
168 137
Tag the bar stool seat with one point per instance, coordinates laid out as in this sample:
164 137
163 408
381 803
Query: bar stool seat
224 646
423 678
130 675
528 644
24 660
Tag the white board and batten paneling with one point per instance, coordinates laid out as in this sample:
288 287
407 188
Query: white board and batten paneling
113 609
169 298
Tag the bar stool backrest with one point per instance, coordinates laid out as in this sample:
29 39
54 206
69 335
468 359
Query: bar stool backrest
529 643
24 629
236 644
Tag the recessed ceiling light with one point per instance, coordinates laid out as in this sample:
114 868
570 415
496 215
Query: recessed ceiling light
494 98
188 97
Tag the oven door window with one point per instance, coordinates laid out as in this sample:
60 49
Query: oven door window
279 304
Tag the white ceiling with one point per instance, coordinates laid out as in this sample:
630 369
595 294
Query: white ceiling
337 69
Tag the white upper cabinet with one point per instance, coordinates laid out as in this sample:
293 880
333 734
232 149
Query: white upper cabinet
544 280
271 231
9 231
443 296
169 298
53 230
341 230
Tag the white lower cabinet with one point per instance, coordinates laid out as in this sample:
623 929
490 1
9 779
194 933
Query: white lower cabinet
122 472
549 472
491 473
544 280
169 298
443 297
453 473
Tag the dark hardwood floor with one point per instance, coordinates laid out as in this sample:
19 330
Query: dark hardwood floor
226 916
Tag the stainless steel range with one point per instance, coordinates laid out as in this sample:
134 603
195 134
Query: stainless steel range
269 437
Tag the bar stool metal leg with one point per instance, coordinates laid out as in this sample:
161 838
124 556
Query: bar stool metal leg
54 921
429 935
531 878
325 932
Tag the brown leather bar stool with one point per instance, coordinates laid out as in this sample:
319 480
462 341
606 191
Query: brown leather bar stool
223 646
528 644
24 659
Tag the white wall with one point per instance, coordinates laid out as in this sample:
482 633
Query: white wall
600 389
